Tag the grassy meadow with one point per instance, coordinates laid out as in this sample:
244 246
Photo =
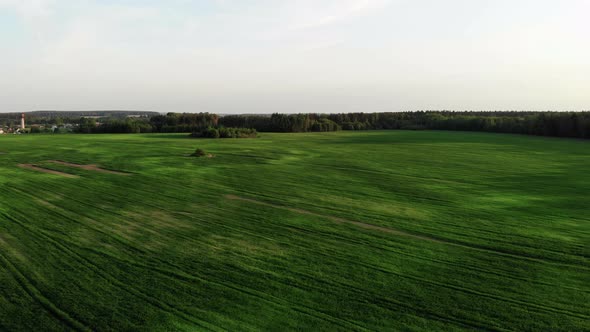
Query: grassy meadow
379 230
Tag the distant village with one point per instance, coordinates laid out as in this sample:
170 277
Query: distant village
21 128
59 121
15 129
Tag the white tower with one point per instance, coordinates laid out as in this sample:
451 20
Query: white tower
22 121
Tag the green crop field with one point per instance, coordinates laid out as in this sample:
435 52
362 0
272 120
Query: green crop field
380 230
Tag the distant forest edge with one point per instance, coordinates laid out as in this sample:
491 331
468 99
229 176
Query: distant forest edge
559 124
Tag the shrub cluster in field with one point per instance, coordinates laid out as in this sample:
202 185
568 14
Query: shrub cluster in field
199 153
212 132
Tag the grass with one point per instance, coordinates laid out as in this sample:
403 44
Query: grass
339 231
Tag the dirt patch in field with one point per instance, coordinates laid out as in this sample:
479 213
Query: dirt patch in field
157 220
90 167
208 155
48 171
335 219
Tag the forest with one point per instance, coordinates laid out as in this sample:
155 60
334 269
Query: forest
559 124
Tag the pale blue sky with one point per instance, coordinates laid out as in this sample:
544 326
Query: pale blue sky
238 56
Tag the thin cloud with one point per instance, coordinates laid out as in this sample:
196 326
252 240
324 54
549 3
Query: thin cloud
29 9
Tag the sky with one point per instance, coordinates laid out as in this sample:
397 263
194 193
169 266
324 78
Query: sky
264 56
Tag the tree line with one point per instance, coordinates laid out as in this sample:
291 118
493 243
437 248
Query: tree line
282 123
559 124
169 123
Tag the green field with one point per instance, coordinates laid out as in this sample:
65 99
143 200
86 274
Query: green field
380 230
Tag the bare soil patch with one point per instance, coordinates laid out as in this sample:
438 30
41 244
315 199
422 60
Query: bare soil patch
48 171
336 219
45 203
90 167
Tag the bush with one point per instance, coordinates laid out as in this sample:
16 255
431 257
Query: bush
199 153
211 133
